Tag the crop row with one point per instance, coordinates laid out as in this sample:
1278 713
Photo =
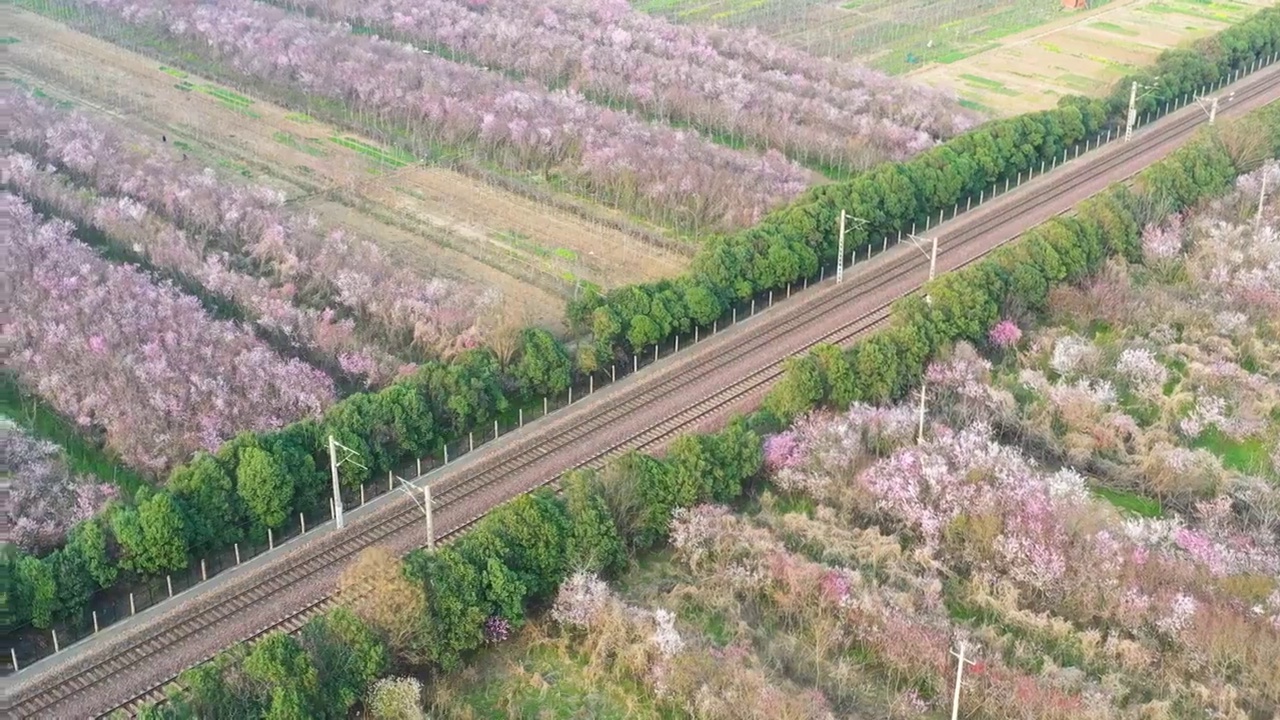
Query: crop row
108 347
232 231
674 176
741 84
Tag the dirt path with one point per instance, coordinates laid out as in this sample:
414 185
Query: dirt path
434 220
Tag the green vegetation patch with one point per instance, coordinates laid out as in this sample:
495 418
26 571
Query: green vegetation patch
9 40
1114 28
309 146
1248 456
1130 503
393 157
174 72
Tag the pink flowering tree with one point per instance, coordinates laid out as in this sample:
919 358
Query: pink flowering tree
673 175
739 83
308 283
43 499
1004 335
109 348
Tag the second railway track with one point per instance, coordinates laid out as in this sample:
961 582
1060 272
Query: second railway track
718 372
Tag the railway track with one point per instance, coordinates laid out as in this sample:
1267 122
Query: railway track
717 373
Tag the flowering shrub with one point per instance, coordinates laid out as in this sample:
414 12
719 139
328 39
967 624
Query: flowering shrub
581 600
496 629
1163 242
43 500
108 347
1004 334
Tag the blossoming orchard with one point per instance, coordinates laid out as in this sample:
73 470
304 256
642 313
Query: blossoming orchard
271 262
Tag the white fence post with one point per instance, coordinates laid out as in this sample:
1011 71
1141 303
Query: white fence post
13 655
56 649
168 579
132 608
95 622
302 519
271 540
204 575
237 546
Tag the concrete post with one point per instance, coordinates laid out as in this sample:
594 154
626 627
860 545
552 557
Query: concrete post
471 442
132 607
56 649
95 622
237 547
271 540
302 519
168 579
521 421
419 466
204 573
13 655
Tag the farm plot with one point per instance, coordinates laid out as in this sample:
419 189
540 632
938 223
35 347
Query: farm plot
893 35
1081 55
1002 57
430 219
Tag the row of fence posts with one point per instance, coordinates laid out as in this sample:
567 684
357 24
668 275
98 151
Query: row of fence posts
1170 106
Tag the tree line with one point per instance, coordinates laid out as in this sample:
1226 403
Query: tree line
259 481
434 607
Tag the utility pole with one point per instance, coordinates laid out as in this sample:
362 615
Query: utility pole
844 217
1262 196
334 463
1133 106
1212 110
955 699
425 505
933 269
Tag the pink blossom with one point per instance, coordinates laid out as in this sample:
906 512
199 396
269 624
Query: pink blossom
1004 334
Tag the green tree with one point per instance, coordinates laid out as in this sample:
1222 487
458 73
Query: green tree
263 486
839 383
347 655
207 694
690 466
151 535
206 496
454 618
88 541
800 389
593 543
543 366
500 590
278 663
737 455
37 591
643 333
534 530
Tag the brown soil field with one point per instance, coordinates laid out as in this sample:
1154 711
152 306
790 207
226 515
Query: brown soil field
436 221
1083 53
